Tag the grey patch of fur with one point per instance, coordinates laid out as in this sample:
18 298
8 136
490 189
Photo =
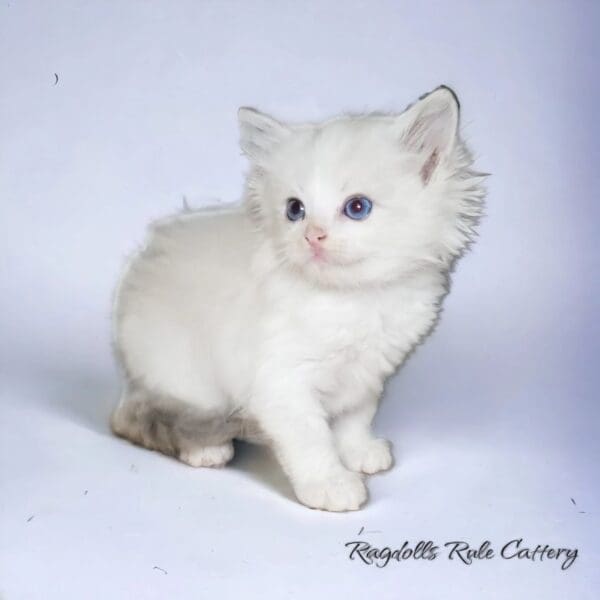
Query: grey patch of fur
169 425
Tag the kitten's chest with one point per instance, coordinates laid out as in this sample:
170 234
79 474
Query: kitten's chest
358 343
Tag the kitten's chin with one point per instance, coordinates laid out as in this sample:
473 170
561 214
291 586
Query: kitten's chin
358 273
330 271
327 273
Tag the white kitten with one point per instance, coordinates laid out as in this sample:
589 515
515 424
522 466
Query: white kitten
279 321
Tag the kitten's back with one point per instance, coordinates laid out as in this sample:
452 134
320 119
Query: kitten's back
175 288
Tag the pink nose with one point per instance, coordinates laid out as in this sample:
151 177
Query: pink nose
314 235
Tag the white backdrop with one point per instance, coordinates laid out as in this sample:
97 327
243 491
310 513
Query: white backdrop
111 112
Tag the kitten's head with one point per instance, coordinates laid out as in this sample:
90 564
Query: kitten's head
363 200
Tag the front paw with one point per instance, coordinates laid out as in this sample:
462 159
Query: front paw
370 457
340 492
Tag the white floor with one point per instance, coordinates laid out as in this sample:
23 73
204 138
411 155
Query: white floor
84 515
109 113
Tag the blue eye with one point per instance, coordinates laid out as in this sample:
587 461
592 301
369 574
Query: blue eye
295 209
358 207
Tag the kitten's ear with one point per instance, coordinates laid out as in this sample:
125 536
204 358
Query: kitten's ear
259 133
429 128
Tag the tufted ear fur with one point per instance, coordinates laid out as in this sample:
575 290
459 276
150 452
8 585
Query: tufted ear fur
259 134
429 129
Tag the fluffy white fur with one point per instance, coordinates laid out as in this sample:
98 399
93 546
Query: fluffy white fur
228 325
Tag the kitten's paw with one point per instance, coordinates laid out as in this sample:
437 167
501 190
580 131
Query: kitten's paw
371 457
343 491
207 456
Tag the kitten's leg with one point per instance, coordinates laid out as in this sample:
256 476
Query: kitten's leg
359 449
303 443
207 456
174 428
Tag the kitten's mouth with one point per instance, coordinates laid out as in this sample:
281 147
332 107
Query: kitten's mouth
321 258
